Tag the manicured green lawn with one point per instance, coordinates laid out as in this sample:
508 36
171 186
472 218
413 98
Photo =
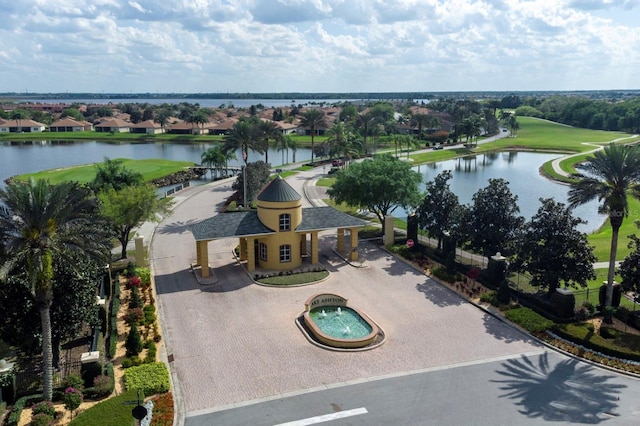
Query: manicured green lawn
149 168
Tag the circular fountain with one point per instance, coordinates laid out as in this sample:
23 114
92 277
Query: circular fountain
328 320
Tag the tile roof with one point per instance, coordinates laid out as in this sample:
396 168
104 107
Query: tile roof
244 224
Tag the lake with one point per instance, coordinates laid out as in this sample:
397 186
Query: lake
520 169
469 174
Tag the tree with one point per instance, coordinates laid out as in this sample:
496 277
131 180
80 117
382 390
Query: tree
129 207
112 174
216 158
18 115
365 123
553 251
493 219
379 185
630 267
243 137
312 119
40 223
257 175
73 113
609 176
267 130
438 212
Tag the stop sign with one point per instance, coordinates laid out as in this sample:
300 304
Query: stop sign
410 243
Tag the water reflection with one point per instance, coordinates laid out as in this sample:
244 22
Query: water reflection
520 169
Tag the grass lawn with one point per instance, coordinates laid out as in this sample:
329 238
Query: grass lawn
149 168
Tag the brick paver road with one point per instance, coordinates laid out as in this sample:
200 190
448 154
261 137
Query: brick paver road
236 341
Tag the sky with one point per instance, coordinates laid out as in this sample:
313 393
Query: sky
319 46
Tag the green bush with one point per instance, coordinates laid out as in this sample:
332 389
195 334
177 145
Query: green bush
132 361
103 385
110 412
619 344
41 419
16 411
72 381
150 378
72 399
116 287
134 316
442 274
134 342
149 314
529 320
89 371
144 274
131 269
113 346
44 407
136 300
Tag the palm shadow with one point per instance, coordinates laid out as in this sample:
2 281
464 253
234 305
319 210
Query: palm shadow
178 227
570 391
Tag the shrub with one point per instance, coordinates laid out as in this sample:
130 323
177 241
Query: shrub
131 269
133 317
41 419
135 301
72 399
150 378
72 381
133 282
442 274
113 346
145 276
529 320
149 314
134 342
44 407
16 411
163 410
132 361
103 385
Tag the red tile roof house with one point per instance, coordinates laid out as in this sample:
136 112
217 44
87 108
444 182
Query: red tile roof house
68 124
185 128
223 127
149 127
22 126
114 125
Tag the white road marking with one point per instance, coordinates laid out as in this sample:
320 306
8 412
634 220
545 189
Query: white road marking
326 417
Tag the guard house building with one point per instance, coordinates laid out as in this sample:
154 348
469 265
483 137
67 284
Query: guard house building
276 235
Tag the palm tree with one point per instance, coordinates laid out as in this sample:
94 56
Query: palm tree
215 158
312 119
338 134
243 137
609 176
267 130
39 223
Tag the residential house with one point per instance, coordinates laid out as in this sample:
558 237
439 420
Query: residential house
22 126
149 127
114 125
68 124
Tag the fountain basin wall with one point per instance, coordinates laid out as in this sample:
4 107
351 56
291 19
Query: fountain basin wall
331 302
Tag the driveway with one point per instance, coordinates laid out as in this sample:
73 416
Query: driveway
236 341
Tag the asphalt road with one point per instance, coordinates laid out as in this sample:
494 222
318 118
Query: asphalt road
532 389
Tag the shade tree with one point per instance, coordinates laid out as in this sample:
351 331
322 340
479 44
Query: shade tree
552 250
439 210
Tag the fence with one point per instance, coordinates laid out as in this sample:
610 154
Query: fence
29 380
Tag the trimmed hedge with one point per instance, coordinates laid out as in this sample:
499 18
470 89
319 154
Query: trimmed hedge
529 320
583 334
150 378
16 412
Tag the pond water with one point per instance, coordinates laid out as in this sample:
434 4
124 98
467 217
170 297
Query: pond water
520 169
19 158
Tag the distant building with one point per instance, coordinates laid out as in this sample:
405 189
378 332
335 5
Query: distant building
68 124
22 126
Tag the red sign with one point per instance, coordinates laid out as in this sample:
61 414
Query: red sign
410 243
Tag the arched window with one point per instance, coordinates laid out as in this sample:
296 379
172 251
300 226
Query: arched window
285 253
285 222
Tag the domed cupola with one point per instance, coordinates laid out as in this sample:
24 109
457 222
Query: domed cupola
278 198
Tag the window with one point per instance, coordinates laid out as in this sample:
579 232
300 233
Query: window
285 222
263 251
285 253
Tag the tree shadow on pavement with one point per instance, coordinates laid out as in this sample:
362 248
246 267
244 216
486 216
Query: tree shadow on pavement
570 391
438 294
178 227
502 331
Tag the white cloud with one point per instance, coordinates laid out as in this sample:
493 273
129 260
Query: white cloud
317 45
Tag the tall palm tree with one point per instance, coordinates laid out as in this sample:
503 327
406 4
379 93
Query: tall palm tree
267 131
609 176
216 158
243 136
39 223
365 124
313 119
